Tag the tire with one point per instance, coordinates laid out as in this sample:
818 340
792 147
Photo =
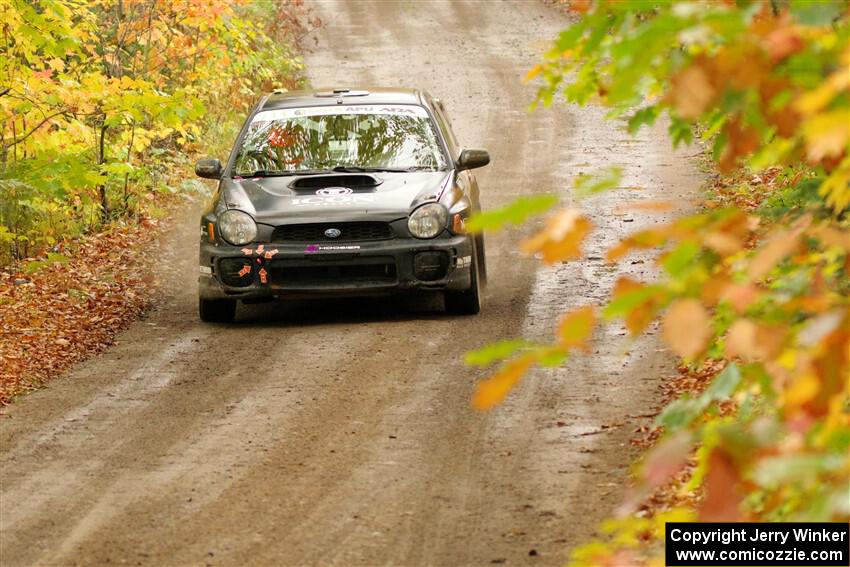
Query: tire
482 260
217 310
467 302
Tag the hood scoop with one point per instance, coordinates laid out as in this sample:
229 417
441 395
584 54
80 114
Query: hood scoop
351 181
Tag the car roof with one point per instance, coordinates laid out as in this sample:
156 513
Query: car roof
348 95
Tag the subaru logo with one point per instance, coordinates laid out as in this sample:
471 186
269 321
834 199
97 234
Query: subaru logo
333 232
334 191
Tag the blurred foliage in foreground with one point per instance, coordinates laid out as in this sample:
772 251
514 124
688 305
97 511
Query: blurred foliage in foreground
102 102
759 292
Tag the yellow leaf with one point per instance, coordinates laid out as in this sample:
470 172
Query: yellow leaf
687 328
836 188
827 134
819 98
561 239
492 391
56 64
801 391
576 328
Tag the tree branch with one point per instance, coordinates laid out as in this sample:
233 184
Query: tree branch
17 141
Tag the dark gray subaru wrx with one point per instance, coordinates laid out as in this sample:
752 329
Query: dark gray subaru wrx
341 192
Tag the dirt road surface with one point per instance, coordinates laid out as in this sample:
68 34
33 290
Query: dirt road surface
340 433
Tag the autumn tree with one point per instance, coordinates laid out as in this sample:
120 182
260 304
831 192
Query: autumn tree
754 288
102 99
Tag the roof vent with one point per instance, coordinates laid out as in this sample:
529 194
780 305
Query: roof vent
341 93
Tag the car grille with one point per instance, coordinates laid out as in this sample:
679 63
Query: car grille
349 232
300 274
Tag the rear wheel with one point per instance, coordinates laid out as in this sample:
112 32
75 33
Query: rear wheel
217 310
467 302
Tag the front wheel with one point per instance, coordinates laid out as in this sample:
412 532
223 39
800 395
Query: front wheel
217 310
467 302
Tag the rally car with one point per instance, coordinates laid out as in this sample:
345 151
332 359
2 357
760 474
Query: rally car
341 192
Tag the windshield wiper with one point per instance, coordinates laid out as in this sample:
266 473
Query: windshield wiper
358 169
268 173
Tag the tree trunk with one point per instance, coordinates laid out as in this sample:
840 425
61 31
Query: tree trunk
101 159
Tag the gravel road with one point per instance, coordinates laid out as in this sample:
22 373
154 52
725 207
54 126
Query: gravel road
340 433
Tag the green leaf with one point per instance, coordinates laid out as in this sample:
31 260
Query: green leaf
643 117
774 471
590 184
514 213
677 262
680 132
495 352
724 384
628 301
817 12
55 257
680 413
551 358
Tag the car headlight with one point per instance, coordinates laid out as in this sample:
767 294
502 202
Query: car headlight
428 220
237 227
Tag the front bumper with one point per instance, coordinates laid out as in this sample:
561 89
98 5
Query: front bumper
269 271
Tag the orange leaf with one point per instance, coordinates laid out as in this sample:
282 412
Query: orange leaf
780 246
667 458
741 141
642 314
713 289
561 239
723 492
576 328
691 92
492 391
643 239
621 249
580 6
650 206
741 296
741 340
831 237
783 42
533 72
722 243
728 236
687 328
749 341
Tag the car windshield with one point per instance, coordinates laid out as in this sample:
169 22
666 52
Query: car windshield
316 139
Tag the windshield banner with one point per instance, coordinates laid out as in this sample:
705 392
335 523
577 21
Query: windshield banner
392 109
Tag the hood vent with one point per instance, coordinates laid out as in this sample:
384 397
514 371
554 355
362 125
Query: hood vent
351 181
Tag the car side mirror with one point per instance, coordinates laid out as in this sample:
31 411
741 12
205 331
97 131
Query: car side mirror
208 168
470 159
